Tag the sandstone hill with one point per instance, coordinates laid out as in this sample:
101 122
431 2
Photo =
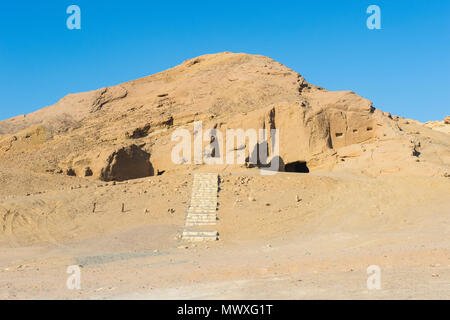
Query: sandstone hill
124 132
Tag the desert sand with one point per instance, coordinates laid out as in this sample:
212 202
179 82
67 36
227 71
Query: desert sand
89 181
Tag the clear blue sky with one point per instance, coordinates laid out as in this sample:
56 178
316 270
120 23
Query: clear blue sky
403 68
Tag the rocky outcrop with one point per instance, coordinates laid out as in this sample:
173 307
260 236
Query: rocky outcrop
110 133
123 163
442 126
139 132
107 95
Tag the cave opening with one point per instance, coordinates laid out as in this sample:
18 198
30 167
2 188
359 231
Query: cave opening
297 166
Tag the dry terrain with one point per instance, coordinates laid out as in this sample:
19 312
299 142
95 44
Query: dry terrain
89 181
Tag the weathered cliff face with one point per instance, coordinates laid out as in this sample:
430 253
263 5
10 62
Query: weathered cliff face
119 164
124 132
441 126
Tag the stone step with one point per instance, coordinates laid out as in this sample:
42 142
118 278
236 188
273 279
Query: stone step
200 215
205 183
204 193
197 208
194 224
203 213
203 210
200 223
211 187
200 233
205 177
200 206
201 220
213 218
203 202
209 184
205 197
201 238
203 207
198 193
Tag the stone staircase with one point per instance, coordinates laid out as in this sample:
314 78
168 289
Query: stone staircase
202 212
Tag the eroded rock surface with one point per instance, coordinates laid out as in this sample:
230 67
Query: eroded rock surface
92 134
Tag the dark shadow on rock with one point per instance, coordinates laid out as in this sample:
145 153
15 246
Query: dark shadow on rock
297 166
127 163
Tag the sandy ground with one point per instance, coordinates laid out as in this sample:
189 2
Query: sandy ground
271 245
